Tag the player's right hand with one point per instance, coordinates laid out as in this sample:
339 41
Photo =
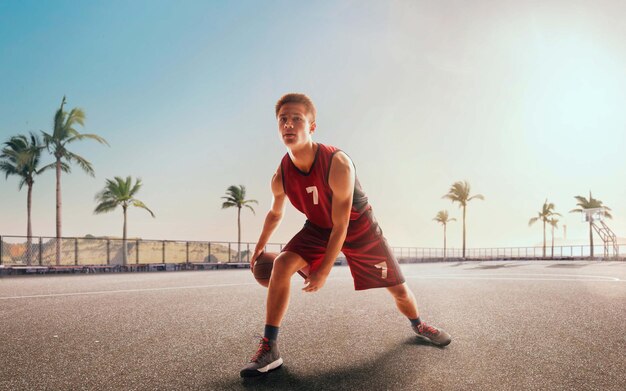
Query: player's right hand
254 256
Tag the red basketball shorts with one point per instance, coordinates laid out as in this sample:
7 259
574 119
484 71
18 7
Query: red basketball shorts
369 257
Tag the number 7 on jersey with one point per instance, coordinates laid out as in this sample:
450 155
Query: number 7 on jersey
313 189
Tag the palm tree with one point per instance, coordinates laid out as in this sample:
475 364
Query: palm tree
554 223
547 211
21 156
442 217
64 133
118 192
460 192
590 203
236 197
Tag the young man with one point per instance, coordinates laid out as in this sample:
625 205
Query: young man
320 181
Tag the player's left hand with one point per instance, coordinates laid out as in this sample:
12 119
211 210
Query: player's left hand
315 281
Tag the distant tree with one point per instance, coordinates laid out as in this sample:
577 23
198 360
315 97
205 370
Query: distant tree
236 197
64 133
460 192
443 219
590 203
554 223
21 156
120 192
544 215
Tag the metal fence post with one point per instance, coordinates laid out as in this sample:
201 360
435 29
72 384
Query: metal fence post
187 243
1 249
209 257
163 252
76 251
136 252
40 251
108 251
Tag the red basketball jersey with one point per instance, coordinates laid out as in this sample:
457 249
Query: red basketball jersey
310 192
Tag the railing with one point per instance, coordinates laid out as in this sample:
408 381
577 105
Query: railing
42 251
559 252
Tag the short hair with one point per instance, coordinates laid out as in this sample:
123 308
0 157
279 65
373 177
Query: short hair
297 98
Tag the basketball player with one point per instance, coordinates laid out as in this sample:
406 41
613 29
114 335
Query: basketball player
320 181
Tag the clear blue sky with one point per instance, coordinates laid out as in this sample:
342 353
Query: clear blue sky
525 100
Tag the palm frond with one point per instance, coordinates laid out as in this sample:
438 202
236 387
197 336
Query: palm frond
140 204
443 217
21 156
76 116
8 168
82 162
117 192
532 221
252 209
86 136
106 206
460 192
136 187
554 222
21 184
47 167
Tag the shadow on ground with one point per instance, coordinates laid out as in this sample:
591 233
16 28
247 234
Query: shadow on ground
567 265
374 374
489 267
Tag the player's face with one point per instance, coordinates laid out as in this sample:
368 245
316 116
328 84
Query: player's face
294 126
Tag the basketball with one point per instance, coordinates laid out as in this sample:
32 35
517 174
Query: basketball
263 268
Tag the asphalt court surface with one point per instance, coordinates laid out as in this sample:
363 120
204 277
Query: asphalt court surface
517 325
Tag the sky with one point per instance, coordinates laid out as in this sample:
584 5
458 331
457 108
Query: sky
523 99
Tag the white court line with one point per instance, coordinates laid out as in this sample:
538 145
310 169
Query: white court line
126 291
522 277
516 277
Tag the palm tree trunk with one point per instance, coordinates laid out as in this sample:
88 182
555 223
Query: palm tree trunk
58 210
29 228
552 252
124 242
239 235
444 241
591 236
544 238
463 232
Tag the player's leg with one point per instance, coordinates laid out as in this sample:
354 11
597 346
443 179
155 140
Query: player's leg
405 300
267 357
406 303
310 243
285 266
373 265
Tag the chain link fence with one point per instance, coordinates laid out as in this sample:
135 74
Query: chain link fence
42 251
559 252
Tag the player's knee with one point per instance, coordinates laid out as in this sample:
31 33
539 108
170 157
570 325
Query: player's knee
400 292
283 267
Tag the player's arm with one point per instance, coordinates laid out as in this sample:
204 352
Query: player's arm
341 180
274 216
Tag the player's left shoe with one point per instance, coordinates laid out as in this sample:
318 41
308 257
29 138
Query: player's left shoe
432 334
266 359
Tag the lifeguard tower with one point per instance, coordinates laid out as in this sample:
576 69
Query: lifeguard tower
596 217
